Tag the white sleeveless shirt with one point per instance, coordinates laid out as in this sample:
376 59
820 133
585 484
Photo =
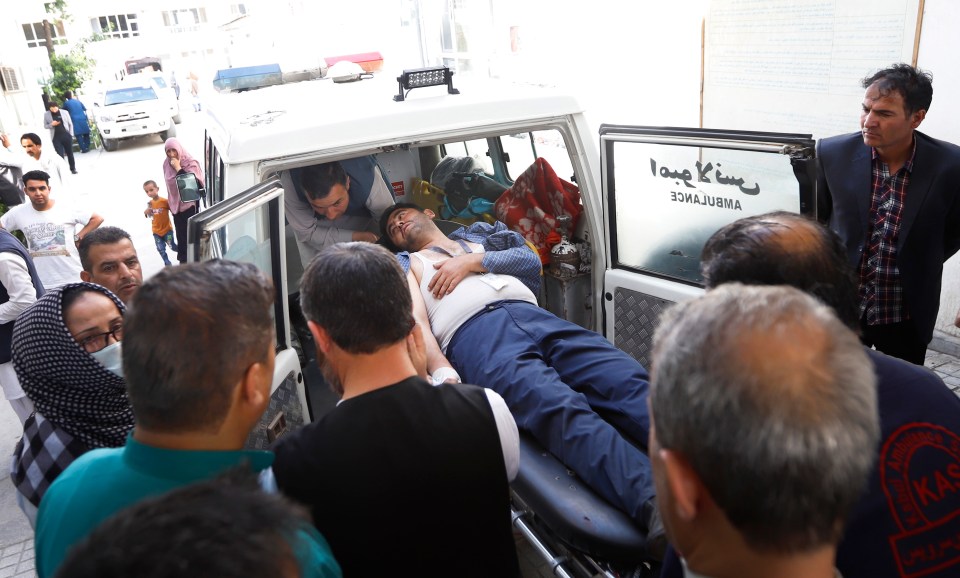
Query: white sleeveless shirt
470 296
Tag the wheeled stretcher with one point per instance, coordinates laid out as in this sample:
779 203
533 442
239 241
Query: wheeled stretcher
577 532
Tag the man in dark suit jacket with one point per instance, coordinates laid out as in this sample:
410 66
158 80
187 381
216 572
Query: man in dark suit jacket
893 195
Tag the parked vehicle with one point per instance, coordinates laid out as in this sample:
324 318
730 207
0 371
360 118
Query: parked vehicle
131 109
165 92
651 196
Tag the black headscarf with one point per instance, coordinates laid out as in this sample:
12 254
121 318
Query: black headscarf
66 384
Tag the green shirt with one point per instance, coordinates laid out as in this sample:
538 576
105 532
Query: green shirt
104 481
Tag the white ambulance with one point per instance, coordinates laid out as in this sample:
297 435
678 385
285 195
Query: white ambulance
650 196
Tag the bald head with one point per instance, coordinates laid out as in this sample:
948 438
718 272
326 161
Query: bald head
784 249
789 396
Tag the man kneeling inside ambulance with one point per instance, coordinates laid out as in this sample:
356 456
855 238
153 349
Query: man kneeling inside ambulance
334 203
476 291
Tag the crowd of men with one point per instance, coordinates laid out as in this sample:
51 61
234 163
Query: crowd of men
774 435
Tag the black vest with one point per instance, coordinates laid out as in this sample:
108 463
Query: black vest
406 480
10 244
362 178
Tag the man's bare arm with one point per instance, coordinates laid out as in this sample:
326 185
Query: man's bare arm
435 357
92 224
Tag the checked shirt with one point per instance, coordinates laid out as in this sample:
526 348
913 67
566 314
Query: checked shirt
881 288
506 252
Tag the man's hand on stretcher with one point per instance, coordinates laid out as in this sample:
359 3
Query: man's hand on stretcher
450 272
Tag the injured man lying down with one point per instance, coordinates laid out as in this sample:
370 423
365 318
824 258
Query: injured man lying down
568 386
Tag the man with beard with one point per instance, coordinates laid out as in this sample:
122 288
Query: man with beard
577 394
396 449
109 259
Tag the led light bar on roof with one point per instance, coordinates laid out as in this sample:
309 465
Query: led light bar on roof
422 77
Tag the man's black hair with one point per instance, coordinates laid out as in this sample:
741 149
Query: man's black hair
913 84
32 137
317 180
385 217
99 236
783 248
36 175
359 295
190 335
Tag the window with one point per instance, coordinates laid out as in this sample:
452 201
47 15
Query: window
238 10
472 148
214 171
245 228
35 37
668 198
116 25
524 148
10 77
185 19
125 95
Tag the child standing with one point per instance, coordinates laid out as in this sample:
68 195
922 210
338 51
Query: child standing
158 208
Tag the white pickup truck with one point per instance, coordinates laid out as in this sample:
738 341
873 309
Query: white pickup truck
131 109
651 197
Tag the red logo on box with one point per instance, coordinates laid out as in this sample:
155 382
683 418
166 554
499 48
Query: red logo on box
920 473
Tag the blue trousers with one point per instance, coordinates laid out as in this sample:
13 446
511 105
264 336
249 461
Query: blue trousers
161 242
570 388
83 139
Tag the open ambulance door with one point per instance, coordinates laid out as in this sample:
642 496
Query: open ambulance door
666 191
249 227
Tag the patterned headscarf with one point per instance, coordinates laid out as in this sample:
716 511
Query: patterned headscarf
66 384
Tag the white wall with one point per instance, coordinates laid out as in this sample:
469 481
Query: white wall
939 47
640 63
21 111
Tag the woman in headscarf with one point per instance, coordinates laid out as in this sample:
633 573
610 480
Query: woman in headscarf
179 161
66 351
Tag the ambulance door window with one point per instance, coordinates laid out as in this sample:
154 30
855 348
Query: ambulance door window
520 150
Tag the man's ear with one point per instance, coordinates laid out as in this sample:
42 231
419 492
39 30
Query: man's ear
685 485
918 117
430 214
321 337
86 276
251 386
348 184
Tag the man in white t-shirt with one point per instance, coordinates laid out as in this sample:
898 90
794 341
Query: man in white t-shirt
53 230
